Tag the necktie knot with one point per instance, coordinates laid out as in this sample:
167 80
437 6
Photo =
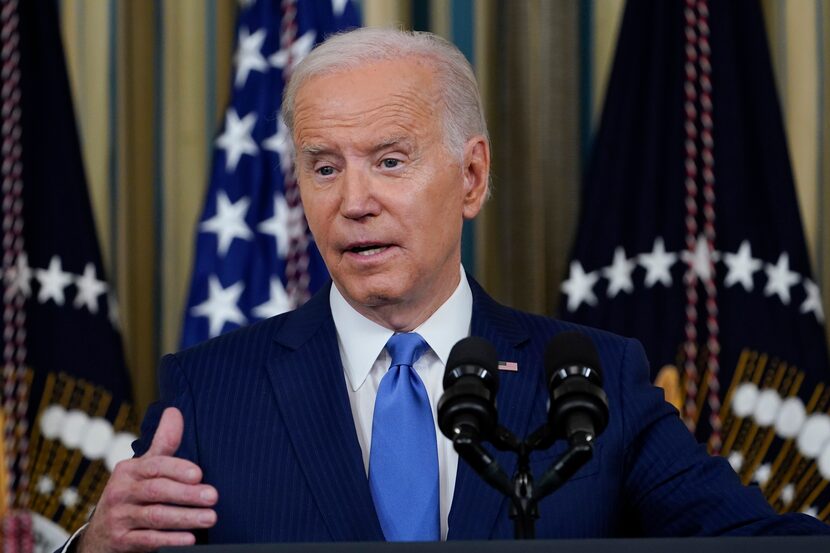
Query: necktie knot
406 348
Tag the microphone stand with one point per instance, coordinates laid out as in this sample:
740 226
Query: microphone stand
524 493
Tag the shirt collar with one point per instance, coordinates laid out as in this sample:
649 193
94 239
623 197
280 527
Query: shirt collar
362 341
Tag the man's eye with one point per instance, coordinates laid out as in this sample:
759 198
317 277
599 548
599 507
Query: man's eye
326 171
390 163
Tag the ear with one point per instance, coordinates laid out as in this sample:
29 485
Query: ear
476 169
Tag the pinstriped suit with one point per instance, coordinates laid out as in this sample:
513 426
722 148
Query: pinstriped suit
267 417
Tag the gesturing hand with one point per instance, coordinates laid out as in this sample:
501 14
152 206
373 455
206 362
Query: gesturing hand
152 501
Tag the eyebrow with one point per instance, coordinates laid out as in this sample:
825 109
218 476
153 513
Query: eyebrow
391 141
317 150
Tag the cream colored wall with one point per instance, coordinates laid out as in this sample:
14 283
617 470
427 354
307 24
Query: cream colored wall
385 13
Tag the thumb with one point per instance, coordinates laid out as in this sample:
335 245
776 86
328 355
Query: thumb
168 434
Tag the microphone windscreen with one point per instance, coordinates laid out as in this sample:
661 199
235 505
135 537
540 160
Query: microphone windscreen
473 350
571 348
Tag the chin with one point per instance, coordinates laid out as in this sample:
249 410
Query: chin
373 292
376 298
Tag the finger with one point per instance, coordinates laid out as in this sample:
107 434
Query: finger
164 490
173 468
168 435
150 540
170 517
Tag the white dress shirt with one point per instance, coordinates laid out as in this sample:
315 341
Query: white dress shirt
365 360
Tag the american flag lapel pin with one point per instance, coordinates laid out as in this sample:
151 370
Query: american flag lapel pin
511 366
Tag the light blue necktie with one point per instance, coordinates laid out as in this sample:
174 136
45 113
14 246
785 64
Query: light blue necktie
403 460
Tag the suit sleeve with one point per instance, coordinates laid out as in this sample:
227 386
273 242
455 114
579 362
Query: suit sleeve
174 391
674 486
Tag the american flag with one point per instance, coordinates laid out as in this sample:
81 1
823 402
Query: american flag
511 366
255 257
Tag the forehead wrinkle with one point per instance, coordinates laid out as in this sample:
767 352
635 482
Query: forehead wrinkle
384 130
400 111
411 110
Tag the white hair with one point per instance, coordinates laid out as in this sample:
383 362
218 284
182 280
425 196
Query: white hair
463 115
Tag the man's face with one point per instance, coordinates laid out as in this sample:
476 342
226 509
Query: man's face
384 198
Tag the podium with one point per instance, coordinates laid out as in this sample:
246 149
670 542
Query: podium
773 544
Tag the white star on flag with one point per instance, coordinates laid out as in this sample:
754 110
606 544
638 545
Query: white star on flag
19 277
298 50
221 305
53 281
280 143
282 225
277 303
741 267
236 140
658 264
89 288
619 273
228 222
701 260
813 302
780 279
248 56
579 286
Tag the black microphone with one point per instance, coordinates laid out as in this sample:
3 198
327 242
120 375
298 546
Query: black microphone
578 405
471 381
467 410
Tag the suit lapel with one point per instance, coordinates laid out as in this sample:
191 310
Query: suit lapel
475 505
307 377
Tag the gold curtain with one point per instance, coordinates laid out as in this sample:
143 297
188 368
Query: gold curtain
532 96
151 81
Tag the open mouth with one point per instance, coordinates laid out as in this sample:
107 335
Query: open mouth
367 249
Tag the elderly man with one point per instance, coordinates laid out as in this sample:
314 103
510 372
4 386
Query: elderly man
318 424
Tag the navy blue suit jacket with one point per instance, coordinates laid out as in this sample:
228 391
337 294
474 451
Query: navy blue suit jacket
267 417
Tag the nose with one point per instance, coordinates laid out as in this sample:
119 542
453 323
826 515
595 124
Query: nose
357 195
